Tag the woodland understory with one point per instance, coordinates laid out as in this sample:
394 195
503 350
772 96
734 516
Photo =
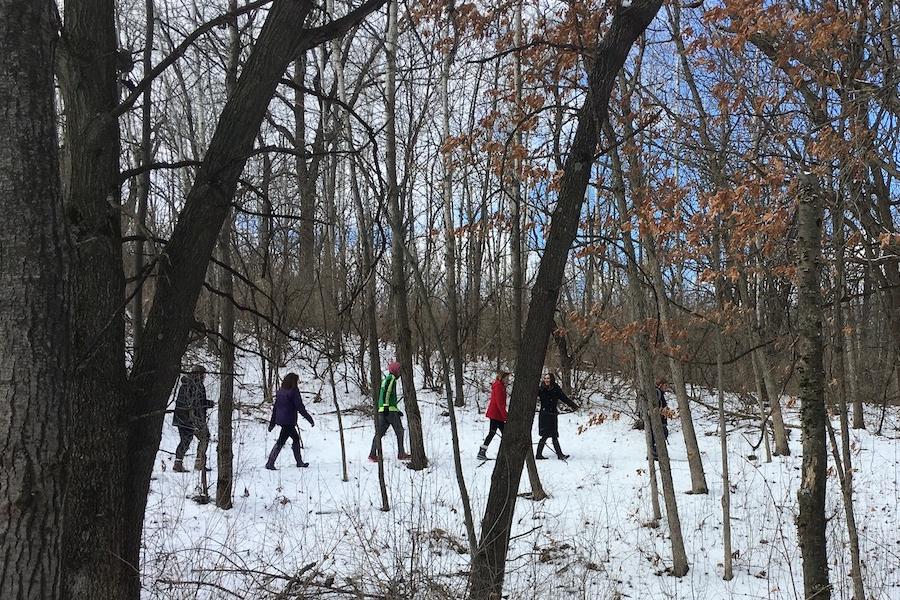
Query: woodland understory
615 191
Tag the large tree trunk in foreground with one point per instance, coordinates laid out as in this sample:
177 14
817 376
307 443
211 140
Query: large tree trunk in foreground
35 300
489 562
94 502
105 510
811 495
156 362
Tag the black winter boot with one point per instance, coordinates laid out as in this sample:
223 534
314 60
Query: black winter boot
296 448
559 452
540 449
273 455
482 453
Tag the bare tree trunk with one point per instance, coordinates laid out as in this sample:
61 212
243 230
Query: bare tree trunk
35 301
364 222
454 434
839 374
88 78
334 400
723 431
398 239
306 182
760 403
449 229
224 447
489 563
782 447
695 462
811 495
859 421
515 193
644 380
637 179
140 225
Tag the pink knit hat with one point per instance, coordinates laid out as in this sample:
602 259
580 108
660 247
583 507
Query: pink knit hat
394 368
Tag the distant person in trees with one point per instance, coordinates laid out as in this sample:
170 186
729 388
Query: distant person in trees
284 414
550 395
496 410
662 386
388 413
191 406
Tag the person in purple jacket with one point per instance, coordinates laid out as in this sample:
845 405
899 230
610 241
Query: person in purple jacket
284 413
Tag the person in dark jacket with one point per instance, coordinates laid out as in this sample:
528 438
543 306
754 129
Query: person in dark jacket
662 386
389 413
191 406
550 395
288 404
496 411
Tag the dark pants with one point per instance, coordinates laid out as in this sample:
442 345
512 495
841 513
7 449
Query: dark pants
285 433
556 448
187 434
288 432
665 427
387 420
495 425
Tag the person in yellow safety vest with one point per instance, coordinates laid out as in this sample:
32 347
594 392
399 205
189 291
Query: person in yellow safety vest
388 413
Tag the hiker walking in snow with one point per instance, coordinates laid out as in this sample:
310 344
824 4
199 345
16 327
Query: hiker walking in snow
191 405
662 386
496 410
284 414
550 395
388 413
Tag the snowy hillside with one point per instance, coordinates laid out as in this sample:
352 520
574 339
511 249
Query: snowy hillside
307 531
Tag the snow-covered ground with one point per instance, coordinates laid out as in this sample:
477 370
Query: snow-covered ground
307 530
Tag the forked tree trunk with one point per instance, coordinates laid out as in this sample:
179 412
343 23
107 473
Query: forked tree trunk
644 383
638 186
812 518
35 301
398 239
489 564
782 448
108 437
761 406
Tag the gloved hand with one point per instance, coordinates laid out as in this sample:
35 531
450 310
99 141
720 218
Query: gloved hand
311 422
271 426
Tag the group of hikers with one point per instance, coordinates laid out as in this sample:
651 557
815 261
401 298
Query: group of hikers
192 407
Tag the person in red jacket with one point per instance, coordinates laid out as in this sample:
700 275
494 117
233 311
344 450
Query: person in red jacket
496 410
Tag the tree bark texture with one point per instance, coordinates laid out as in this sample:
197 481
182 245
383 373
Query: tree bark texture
811 495
88 80
35 304
489 563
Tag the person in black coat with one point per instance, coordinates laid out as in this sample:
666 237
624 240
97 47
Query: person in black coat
288 404
191 406
550 395
662 386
